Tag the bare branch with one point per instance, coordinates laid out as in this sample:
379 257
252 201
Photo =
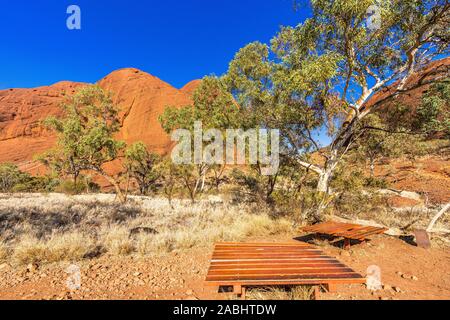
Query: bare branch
310 166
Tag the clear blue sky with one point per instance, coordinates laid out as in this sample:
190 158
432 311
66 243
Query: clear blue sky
177 41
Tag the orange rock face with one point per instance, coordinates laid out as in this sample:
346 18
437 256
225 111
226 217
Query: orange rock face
190 87
142 99
21 111
140 96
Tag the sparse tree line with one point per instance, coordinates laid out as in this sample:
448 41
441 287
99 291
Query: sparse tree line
86 143
321 74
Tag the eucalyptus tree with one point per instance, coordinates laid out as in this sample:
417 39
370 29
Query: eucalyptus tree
142 166
325 72
85 136
213 106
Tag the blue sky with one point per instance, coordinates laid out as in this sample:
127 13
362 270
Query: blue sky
177 41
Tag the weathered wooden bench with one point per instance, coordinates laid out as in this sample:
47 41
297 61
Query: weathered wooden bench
241 265
347 231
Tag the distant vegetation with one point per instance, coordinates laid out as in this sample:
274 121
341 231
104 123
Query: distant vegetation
321 75
318 75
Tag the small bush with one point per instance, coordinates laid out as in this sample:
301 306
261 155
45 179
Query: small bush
60 247
30 250
116 239
83 185
70 188
11 176
378 183
355 203
36 184
152 244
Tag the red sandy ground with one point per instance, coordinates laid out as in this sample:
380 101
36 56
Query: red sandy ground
180 276
429 175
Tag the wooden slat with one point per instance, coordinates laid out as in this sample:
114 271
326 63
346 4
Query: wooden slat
346 230
225 266
276 264
248 254
288 282
280 271
318 276
262 245
267 261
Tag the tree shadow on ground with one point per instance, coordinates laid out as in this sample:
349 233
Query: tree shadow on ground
331 240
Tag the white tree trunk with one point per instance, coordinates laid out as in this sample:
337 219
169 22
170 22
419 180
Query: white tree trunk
325 176
203 183
324 181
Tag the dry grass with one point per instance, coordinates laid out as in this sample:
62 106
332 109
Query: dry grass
281 293
72 246
406 219
3 251
87 223
116 240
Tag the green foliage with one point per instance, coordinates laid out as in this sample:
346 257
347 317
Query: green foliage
278 94
377 183
85 136
14 180
353 204
348 179
170 177
321 73
10 176
213 106
141 164
377 141
433 115
252 183
84 184
47 183
276 190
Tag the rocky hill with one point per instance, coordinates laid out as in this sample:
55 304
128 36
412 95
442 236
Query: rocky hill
140 96
143 97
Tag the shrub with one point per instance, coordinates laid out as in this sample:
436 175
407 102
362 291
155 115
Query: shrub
60 247
258 188
116 239
45 183
378 183
11 176
141 164
83 185
355 203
